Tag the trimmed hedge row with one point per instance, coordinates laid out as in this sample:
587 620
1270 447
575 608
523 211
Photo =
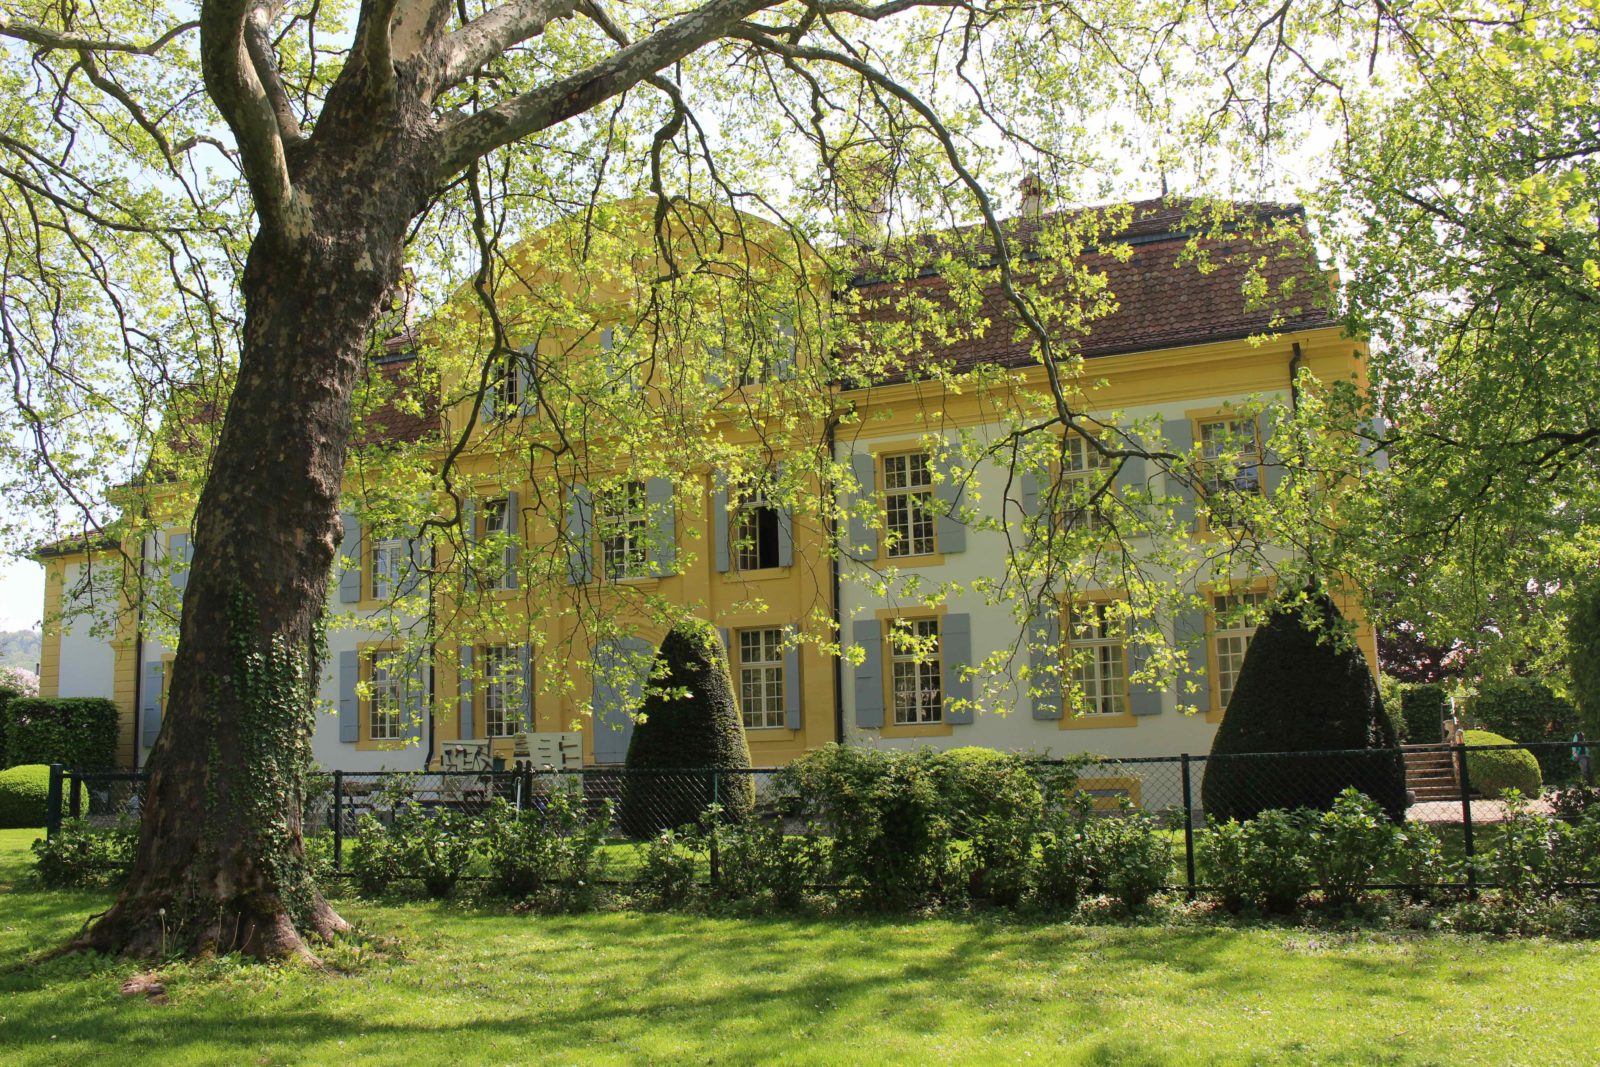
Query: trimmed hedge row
75 731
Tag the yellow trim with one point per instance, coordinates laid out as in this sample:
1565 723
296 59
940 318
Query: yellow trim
1129 785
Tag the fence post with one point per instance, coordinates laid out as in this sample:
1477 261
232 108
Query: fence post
52 803
716 798
1188 830
338 822
74 794
1466 820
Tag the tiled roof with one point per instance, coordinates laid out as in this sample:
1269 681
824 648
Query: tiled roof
387 422
1160 302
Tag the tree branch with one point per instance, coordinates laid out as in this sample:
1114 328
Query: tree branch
491 33
237 90
468 138
265 61
48 38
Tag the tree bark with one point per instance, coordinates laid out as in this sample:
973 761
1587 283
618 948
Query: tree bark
220 863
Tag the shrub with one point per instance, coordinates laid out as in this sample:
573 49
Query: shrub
1583 654
1063 868
1299 691
757 862
1525 709
1129 859
1534 855
433 846
1495 770
81 856
76 731
1419 860
666 873
1350 844
1389 691
1262 863
1574 802
690 720
1422 706
554 848
994 803
24 791
889 825
8 693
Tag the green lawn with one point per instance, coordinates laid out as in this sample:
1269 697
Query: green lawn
474 986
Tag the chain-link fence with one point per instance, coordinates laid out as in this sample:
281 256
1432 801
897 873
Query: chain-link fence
1453 789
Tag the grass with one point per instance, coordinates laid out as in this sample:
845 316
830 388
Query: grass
475 985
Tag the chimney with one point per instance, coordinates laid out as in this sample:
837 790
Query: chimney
1031 191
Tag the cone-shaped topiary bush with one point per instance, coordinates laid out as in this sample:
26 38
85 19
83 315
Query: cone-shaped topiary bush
690 722
1300 691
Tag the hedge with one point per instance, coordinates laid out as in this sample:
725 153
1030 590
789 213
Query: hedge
75 731
1507 768
23 791
1526 710
7 695
1422 706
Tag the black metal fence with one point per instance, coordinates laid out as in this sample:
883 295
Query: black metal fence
1435 785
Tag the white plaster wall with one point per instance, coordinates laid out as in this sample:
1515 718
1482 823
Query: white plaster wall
88 602
994 627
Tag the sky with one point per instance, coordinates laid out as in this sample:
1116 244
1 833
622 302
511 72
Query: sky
21 594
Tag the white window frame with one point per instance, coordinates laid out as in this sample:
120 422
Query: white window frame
1085 470
1237 437
1230 638
502 715
495 516
909 528
1099 658
623 519
761 680
916 671
388 566
386 688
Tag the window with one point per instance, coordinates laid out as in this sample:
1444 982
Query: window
1231 454
386 685
908 505
624 521
761 678
755 531
1232 637
502 691
496 517
388 566
508 388
916 671
1099 663
1084 471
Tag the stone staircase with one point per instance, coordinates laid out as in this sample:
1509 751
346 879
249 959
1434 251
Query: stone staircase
1431 775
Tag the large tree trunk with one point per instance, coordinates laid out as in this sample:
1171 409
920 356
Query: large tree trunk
221 864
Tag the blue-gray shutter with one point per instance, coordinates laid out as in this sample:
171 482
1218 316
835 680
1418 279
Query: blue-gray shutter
613 728
513 548
791 681
150 703
579 524
526 655
1132 477
868 633
350 549
1180 439
349 697
179 552
727 643
955 652
525 379
1143 699
723 523
416 699
1272 458
663 526
1044 658
785 521
491 393
951 531
1189 633
1380 455
1029 491
467 725
863 538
